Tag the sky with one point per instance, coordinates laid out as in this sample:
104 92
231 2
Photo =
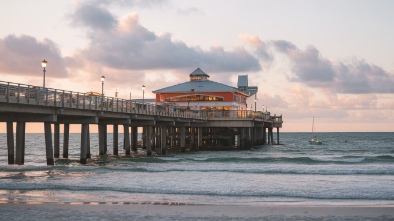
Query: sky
328 59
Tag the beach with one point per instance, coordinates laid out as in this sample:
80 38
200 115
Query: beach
125 211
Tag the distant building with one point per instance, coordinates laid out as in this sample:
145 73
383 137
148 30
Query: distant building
200 93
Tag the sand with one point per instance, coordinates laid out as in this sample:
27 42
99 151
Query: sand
126 211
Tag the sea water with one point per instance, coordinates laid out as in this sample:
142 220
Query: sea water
347 169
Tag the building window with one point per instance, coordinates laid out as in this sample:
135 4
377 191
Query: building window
196 97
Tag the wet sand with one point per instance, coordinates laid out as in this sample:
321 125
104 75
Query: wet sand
126 211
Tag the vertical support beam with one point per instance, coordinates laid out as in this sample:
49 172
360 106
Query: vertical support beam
264 135
149 140
241 137
20 144
56 137
272 136
126 139
115 140
183 137
144 132
192 138
10 143
88 155
105 138
84 142
66 136
154 134
135 138
277 135
48 143
163 140
101 138
199 138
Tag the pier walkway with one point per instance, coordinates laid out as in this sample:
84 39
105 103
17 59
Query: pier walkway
162 127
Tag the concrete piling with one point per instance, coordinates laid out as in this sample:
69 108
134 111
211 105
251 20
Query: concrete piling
48 143
84 142
115 140
10 143
66 136
126 139
56 144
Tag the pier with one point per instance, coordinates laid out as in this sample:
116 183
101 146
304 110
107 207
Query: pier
162 128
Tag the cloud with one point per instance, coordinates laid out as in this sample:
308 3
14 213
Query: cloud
125 44
93 17
190 11
310 68
136 3
23 55
261 49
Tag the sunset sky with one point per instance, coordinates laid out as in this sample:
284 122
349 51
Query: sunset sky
331 59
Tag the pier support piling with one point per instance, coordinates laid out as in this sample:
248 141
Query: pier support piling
84 142
10 143
183 137
148 140
163 140
102 134
56 138
115 140
20 143
126 139
48 143
135 138
66 136
88 155
199 138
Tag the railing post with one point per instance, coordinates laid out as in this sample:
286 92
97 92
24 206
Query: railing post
46 96
84 101
18 93
8 92
77 100
38 95
54 99
63 99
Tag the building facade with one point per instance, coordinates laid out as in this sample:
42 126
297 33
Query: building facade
201 94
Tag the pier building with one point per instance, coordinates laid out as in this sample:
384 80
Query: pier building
196 115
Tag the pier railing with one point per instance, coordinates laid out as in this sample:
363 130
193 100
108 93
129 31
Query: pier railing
34 95
249 114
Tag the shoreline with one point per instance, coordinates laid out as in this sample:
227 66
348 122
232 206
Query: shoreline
117 211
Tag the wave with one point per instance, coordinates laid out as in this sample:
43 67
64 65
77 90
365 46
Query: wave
106 190
301 160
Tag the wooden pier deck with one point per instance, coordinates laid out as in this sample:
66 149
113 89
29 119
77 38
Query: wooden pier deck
162 128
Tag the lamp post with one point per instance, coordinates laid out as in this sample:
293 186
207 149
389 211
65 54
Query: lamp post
44 65
255 101
143 97
102 91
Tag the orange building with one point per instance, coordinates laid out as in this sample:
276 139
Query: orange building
200 93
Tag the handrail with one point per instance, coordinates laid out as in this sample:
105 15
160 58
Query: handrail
29 94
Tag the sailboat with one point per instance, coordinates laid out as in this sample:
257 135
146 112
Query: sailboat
313 139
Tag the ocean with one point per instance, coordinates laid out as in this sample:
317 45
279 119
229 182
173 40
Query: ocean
347 169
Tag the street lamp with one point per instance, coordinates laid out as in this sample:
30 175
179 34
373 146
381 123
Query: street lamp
255 101
102 91
102 85
44 65
143 97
